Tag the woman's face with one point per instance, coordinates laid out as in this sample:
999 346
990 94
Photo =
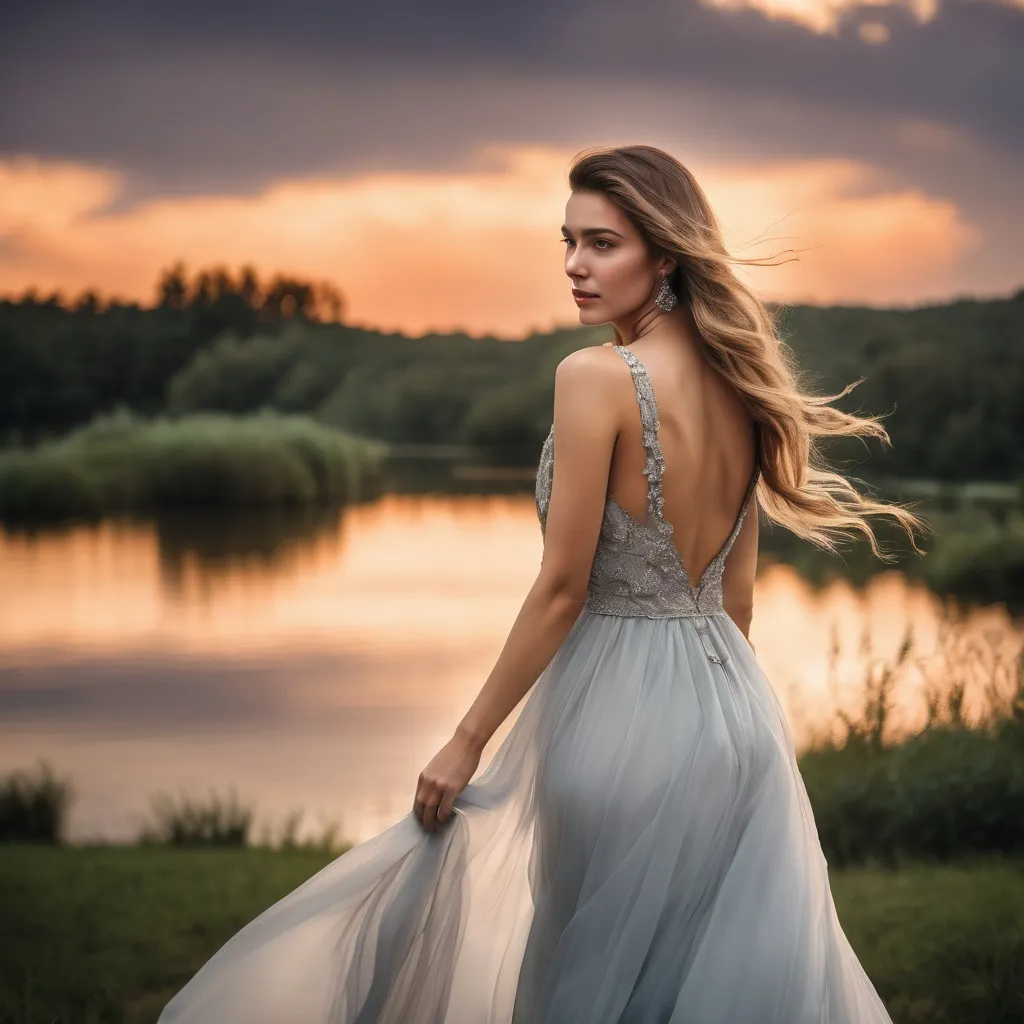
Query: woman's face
605 255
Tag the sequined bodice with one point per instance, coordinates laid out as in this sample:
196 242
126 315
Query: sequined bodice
637 569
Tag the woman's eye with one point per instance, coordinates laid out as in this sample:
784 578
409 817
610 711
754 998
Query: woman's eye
600 241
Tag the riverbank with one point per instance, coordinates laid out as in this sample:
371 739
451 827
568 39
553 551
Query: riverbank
110 933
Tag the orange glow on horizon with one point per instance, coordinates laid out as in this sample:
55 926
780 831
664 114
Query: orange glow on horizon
475 250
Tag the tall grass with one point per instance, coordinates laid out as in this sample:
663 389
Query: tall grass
288 836
34 806
217 820
952 786
187 821
122 463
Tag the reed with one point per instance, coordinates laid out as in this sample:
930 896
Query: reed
195 821
34 805
122 463
225 820
951 787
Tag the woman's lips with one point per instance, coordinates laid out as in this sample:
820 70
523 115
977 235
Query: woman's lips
581 296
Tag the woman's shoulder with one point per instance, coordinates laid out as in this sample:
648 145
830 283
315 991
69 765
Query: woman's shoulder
589 367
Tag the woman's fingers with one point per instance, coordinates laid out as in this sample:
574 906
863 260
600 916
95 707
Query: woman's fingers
425 807
440 783
430 817
433 805
444 810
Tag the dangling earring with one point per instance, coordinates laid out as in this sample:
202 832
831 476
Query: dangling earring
666 298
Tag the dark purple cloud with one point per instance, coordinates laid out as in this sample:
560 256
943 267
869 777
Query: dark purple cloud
203 96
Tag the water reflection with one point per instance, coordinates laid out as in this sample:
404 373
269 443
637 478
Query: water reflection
266 537
318 662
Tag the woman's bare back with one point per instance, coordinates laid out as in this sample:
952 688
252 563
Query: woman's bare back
708 443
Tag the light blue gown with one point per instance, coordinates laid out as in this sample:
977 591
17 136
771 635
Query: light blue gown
640 849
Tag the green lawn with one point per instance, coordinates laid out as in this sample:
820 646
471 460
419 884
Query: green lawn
110 933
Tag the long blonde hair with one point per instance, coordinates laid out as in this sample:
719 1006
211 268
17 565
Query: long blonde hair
797 489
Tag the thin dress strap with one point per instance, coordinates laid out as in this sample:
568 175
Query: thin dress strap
654 467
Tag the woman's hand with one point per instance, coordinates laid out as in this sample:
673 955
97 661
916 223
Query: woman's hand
443 780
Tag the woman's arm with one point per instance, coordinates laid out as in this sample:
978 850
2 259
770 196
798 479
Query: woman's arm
585 420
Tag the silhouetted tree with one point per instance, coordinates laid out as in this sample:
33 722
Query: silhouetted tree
87 302
287 297
172 288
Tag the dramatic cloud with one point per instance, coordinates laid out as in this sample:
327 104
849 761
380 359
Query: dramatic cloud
206 95
296 137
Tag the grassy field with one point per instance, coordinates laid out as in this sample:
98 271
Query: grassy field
107 934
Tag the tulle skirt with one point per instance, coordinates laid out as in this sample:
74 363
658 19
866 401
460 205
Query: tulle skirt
639 850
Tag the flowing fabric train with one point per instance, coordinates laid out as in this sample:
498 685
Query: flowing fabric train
640 850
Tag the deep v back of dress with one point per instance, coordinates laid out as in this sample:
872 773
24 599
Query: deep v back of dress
637 568
639 849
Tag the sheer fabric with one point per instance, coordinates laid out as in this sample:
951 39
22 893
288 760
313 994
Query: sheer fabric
640 849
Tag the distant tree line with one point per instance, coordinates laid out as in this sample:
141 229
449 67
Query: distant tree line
241 297
64 360
947 377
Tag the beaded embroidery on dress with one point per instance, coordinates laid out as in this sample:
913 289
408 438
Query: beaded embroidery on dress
639 850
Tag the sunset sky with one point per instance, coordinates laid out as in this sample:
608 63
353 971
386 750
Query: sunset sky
415 154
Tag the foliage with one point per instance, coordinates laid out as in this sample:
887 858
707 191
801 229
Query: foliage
953 787
287 836
190 821
446 390
233 375
218 820
983 563
947 378
61 362
34 806
121 463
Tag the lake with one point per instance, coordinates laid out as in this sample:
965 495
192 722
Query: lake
316 663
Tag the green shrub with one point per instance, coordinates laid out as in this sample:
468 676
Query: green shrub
46 488
509 424
938 795
122 463
954 787
981 565
234 374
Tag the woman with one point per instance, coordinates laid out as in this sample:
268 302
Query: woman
640 849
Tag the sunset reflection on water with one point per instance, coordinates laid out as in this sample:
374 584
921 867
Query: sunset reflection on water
324 674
